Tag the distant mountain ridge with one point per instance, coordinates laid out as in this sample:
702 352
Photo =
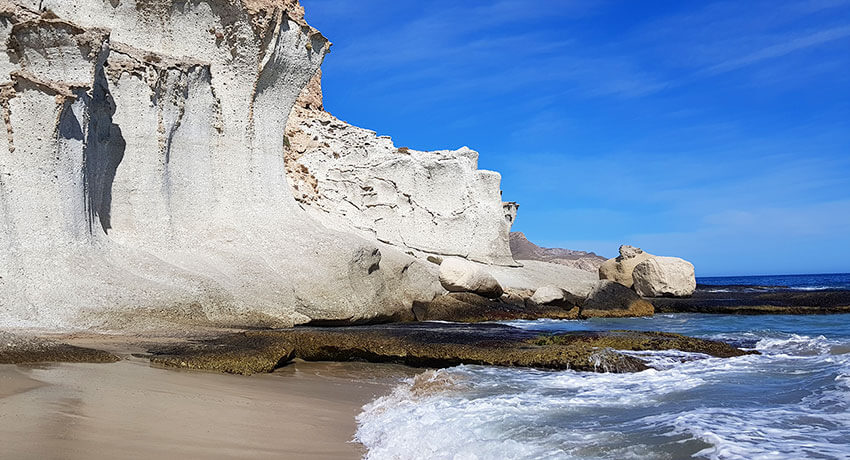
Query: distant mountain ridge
522 249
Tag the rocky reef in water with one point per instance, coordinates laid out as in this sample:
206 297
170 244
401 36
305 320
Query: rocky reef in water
757 300
432 345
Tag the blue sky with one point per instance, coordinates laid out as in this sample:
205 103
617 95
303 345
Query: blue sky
714 131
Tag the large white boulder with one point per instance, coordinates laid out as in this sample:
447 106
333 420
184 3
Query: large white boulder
535 273
663 277
458 275
620 269
549 294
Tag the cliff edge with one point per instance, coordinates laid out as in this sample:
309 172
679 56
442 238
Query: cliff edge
425 203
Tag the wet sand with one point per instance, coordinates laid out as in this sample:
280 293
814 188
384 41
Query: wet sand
131 410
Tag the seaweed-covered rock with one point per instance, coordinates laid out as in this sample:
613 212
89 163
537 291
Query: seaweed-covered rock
756 300
610 299
20 349
434 345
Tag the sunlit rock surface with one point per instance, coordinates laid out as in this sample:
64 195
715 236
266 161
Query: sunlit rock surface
351 179
139 185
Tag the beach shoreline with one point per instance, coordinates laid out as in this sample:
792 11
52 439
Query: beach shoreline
130 409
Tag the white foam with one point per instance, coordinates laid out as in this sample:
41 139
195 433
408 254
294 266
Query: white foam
814 288
472 412
769 433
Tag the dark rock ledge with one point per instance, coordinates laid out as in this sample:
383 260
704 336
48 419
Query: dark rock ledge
756 300
430 345
19 349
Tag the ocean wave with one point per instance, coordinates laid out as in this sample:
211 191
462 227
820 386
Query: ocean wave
689 405
817 288
796 345
766 433
498 412
781 344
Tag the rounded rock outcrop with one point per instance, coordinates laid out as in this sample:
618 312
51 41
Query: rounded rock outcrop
620 268
459 275
664 277
547 295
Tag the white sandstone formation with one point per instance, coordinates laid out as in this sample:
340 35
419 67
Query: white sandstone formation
548 294
664 276
534 273
620 269
460 275
148 177
657 276
137 183
425 203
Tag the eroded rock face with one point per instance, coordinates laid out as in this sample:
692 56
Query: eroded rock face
139 185
620 268
534 274
427 203
664 277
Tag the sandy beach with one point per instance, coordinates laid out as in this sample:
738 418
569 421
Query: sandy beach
132 410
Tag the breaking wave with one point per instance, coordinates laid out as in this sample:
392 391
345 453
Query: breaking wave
792 401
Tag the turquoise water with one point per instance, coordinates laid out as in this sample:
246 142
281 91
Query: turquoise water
792 401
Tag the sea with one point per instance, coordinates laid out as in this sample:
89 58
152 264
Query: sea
777 282
792 401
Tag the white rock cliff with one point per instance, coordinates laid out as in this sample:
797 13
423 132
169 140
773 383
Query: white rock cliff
137 184
351 179
157 172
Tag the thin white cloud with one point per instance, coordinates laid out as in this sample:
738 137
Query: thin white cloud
786 46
